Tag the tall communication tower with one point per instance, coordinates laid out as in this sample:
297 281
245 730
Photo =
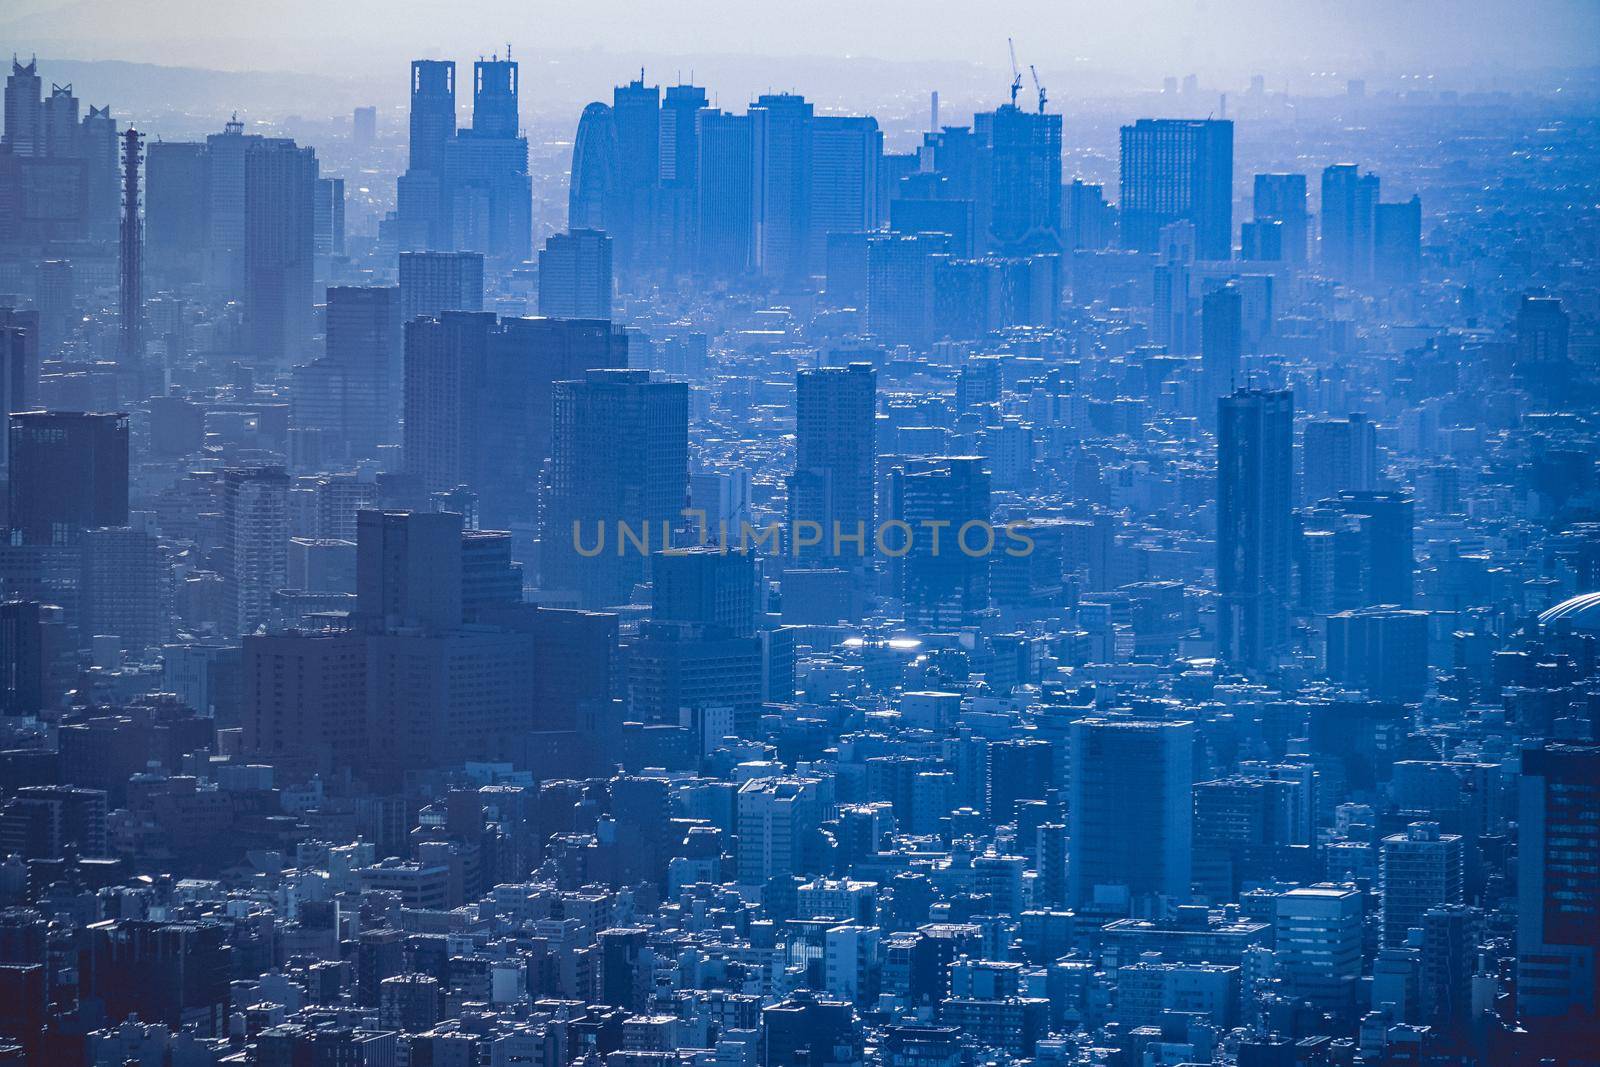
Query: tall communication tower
131 307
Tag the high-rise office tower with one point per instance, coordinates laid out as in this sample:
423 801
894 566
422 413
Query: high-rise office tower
1382 650
680 138
1374 533
364 348
619 458
1543 330
22 658
575 275
591 188
1281 198
1340 454
900 286
942 580
1397 242
782 126
478 401
1089 219
364 127
1221 344
487 187
845 154
726 204
126 586
279 248
409 570
328 228
1178 169
433 113
56 298
68 472
24 132
1131 789
436 282
1418 870
130 265
679 192
834 479
636 122
255 544
226 205
423 204
706 586
1558 897
17 365
525 359
1349 203
444 370
1255 496
494 98
1024 183
175 225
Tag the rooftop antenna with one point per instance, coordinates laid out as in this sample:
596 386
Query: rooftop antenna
508 51
1016 75
1037 86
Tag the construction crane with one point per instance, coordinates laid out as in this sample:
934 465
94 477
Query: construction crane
1016 75
1037 86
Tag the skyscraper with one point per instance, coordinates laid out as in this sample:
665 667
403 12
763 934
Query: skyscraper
591 187
255 544
1131 791
1255 495
408 570
1418 870
1397 242
494 98
435 282
444 370
1349 204
1025 180
486 182
782 126
636 122
24 133
707 586
679 193
1281 198
575 275
845 154
1558 897
619 456
364 347
1221 343
1178 169
725 211
1542 365
942 580
279 248
423 207
1339 454
433 113
68 472
833 484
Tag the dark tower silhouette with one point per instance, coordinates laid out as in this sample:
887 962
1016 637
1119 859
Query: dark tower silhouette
131 302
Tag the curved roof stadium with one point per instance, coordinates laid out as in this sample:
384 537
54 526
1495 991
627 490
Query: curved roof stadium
1581 613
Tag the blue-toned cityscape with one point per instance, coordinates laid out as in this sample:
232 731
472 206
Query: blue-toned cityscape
911 537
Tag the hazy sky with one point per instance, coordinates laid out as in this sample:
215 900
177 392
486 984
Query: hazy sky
1144 39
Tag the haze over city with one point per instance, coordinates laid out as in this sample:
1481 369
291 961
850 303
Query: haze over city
800 535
